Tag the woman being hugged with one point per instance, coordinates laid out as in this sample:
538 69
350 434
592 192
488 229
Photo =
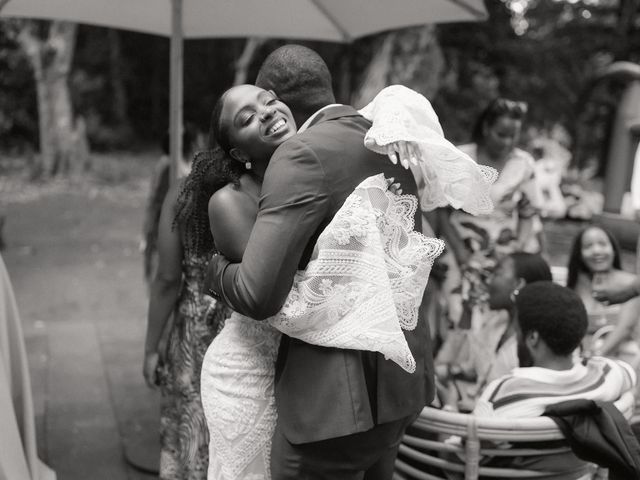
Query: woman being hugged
238 372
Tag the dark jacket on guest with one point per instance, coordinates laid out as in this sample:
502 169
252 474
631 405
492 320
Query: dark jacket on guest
597 432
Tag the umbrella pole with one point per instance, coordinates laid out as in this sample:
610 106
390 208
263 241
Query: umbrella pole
176 82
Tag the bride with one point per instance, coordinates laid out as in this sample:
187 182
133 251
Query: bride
237 380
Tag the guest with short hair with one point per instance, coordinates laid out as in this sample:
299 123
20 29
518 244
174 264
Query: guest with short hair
551 323
490 352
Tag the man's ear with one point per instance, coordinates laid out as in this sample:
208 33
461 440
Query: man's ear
532 339
238 155
520 283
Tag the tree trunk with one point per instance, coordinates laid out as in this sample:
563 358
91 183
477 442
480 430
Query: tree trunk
244 61
411 57
63 143
117 80
627 14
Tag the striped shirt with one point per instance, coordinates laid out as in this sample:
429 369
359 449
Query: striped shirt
526 392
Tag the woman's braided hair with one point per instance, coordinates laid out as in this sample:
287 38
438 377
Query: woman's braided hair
211 170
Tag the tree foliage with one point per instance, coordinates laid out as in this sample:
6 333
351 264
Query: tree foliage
545 52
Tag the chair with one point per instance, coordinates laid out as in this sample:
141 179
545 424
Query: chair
421 454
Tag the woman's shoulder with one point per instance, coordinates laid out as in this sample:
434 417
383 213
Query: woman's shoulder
246 191
224 196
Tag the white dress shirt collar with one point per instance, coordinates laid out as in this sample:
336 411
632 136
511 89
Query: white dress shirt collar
306 124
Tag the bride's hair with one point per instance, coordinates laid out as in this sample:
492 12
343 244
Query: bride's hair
210 171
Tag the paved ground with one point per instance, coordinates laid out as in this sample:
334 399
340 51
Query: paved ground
72 256
76 271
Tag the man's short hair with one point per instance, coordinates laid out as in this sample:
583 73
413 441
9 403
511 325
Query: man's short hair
300 78
555 312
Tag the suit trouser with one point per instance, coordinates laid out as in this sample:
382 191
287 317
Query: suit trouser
366 455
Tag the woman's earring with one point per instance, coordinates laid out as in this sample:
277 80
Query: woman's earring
247 165
513 295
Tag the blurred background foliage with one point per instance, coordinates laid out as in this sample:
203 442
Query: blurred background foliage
545 52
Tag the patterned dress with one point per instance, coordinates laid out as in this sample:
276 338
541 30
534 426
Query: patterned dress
492 236
183 428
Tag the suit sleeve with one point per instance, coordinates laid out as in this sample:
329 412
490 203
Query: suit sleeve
294 202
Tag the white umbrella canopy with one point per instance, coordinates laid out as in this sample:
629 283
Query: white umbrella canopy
326 20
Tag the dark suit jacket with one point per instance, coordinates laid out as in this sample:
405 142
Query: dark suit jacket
322 393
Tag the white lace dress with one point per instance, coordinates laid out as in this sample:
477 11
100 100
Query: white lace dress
238 399
362 287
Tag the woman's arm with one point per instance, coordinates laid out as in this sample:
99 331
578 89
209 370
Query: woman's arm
452 237
232 214
627 321
406 127
619 290
525 232
165 286
528 205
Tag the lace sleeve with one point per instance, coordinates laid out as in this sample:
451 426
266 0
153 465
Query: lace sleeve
366 278
445 175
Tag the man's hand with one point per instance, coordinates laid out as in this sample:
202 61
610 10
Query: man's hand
394 188
617 289
213 277
150 369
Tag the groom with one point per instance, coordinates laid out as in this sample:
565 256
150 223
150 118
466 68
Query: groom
341 413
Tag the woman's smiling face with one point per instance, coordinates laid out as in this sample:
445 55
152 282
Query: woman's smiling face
597 250
257 122
502 136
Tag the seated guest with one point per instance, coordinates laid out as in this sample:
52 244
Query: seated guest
595 261
550 325
491 352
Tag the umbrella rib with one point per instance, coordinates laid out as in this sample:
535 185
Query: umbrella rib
3 3
470 8
334 21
